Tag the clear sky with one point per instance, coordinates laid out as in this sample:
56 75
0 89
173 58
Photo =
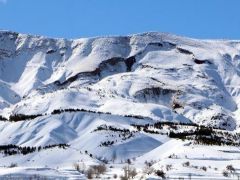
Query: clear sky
85 18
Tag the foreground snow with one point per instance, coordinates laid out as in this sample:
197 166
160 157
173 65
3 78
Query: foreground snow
213 158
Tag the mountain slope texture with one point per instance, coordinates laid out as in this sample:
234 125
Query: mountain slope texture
151 97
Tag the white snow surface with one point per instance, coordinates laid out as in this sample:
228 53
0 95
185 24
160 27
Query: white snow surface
114 81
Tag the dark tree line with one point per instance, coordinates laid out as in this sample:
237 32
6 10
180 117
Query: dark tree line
12 149
22 117
208 136
160 125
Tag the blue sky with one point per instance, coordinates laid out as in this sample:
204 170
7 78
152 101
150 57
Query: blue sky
85 18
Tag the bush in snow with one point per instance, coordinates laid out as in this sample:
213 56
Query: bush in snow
168 167
115 176
230 168
90 173
204 168
173 156
148 169
12 165
225 173
129 172
132 172
76 167
96 170
186 164
161 174
99 169
228 171
106 143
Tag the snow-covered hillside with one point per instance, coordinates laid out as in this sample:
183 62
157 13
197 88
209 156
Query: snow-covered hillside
118 98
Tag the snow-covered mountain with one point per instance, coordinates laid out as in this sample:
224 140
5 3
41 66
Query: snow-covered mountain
106 96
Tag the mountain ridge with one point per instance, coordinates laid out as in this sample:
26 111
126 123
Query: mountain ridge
116 98
148 40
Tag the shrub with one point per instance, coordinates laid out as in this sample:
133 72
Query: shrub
148 170
12 165
115 176
161 174
100 169
230 168
225 173
90 173
168 167
128 173
76 167
149 163
132 173
96 170
186 164
172 156
204 168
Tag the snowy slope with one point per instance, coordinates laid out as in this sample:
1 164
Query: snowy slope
105 85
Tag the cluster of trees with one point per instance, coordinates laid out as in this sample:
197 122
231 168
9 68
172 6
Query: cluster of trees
129 173
3 118
63 146
111 128
93 171
229 170
150 131
59 111
12 149
208 136
96 170
160 173
107 143
22 117
200 134
134 116
160 125
123 133
181 135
